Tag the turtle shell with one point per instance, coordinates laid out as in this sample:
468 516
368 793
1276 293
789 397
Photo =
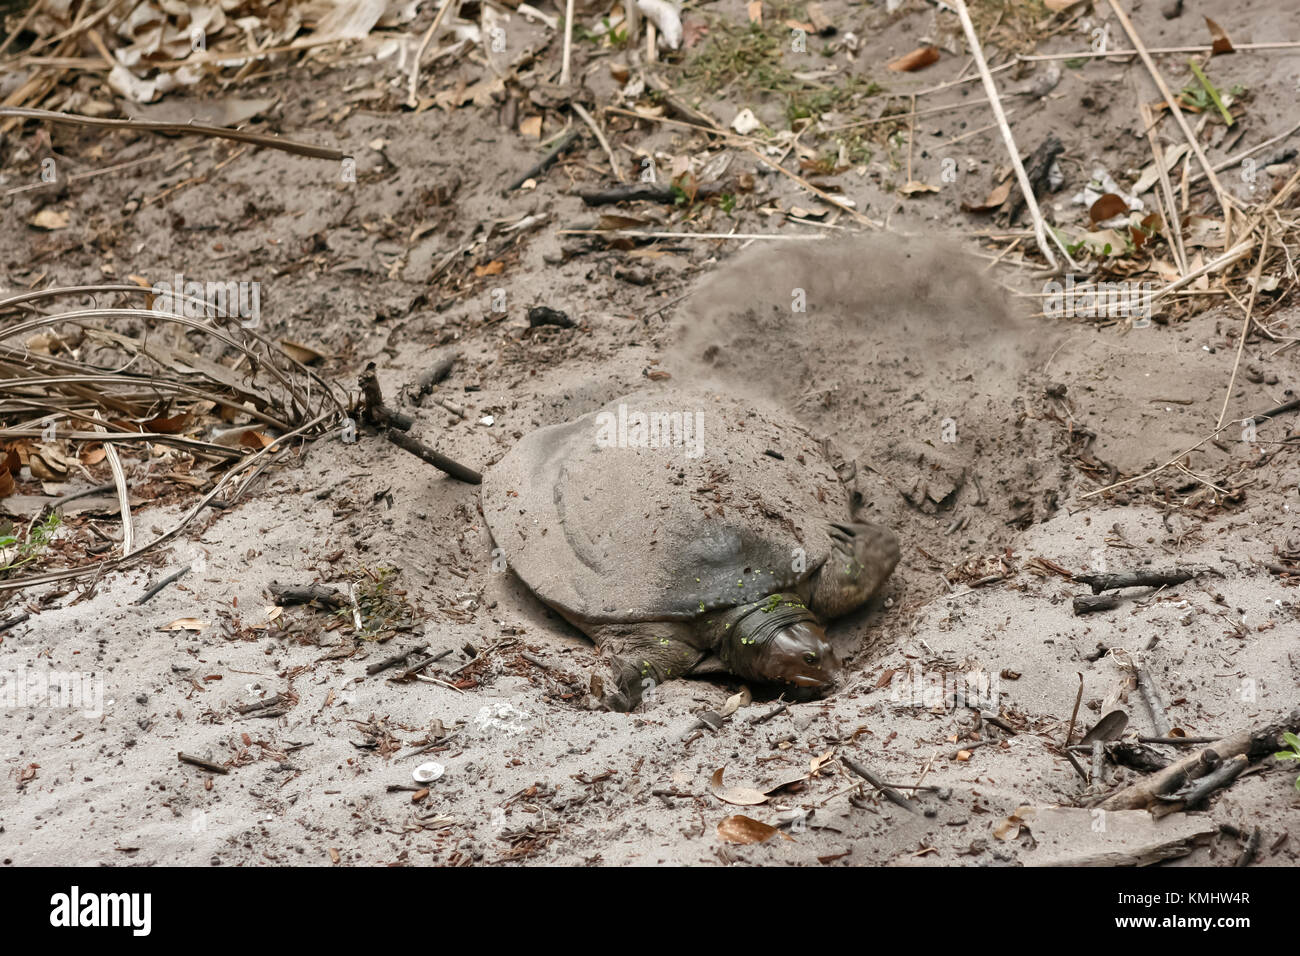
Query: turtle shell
663 506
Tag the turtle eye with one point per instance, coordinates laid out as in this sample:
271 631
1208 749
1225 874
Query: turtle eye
810 658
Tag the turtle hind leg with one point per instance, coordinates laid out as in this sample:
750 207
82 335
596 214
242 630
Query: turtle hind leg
642 656
862 557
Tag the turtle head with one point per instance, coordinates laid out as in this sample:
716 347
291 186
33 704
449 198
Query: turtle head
779 641
799 658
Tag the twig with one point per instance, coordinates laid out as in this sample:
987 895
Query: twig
545 163
434 680
568 42
600 138
440 461
892 795
1171 210
819 193
1251 743
1172 103
286 595
34 9
155 126
175 576
1187 798
1236 158
764 718
1095 54
200 762
1138 579
1078 699
414 80
1245 325
1151 696
260 704
1252 847
1040 228
387 662
123 499
439 370
641 234
1091 604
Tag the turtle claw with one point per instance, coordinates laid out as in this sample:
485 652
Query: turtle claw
864 556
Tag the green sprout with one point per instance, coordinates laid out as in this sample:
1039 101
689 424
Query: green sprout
38 538
1293 754
1208 91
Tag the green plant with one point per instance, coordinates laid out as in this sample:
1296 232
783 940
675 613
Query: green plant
1293 754
25 552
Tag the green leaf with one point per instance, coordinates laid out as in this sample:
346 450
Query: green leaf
1292 739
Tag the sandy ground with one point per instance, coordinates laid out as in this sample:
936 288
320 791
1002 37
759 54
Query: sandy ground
1045 411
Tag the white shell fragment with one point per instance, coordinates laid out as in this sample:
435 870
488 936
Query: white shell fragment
427 772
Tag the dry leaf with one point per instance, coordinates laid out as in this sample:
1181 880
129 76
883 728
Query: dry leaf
1107 206
995 198
184 624
918 59
1222 44
252 438
168 426
743 829
531 126
303 354
48 464
50 219
816 763
1060 6
493 268
736 701
912 187
755 10
7 486
740 796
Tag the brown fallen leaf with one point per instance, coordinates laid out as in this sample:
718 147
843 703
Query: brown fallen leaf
493 268
743 829
93 454
302 354
1107 206
918 59
184 624
740 796
1059 6
531 126
168 426
755 10
912 187
816 763
7 486
50 219
48 464
1222 43
994 200
252 438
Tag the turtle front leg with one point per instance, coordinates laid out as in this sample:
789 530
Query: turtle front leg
862 557
642 656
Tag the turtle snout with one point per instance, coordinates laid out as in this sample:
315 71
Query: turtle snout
820 670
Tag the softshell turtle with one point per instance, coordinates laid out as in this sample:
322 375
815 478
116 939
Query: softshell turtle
688 533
